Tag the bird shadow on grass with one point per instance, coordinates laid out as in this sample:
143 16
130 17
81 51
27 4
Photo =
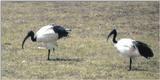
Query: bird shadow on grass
138 69
65 59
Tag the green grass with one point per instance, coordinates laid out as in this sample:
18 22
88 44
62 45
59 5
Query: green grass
86 54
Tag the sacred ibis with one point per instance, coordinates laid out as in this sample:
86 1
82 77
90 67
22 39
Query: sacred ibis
131 48
48 34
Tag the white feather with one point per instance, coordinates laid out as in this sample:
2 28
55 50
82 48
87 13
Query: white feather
47 35
125 47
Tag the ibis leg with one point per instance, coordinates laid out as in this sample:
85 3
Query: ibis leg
48 54
130 66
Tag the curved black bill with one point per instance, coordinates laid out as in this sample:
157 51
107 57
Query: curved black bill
112 32
24 40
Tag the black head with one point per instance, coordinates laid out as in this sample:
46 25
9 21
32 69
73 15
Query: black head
62 32
114 32
29 34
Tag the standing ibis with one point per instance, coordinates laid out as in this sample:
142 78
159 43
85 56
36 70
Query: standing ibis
131 48
48 34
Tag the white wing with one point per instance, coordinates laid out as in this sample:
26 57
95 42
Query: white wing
126 46
126 43
46 34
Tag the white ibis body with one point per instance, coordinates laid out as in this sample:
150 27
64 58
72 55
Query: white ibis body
130 48
48 34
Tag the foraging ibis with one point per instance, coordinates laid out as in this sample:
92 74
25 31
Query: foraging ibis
131 48
48 34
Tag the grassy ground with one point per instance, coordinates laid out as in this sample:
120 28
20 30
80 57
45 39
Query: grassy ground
86 54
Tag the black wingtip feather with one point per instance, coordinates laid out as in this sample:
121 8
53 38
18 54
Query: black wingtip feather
144 49
61 31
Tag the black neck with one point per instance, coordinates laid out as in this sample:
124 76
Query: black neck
31 33
114 38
